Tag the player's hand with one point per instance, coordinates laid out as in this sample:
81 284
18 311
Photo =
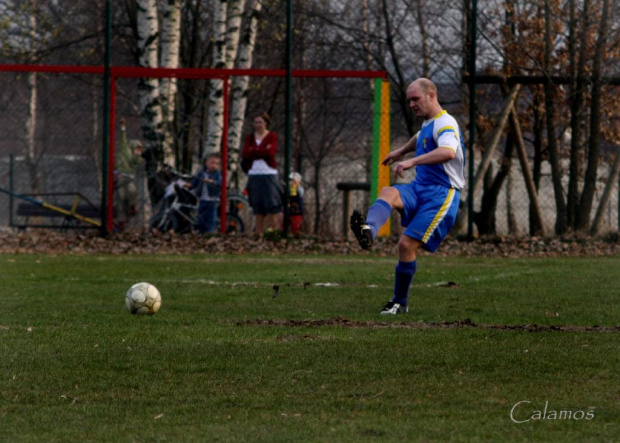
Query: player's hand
392 157
401 167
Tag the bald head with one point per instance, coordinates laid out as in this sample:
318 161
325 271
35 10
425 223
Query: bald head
422 96
425 85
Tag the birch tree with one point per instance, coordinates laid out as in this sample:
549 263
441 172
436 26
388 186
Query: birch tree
234 18
240 84
170 45
148 88
215 118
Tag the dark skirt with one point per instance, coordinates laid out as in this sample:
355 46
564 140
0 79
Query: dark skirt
265 194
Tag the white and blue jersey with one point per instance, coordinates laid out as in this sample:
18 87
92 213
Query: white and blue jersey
441 131
431 201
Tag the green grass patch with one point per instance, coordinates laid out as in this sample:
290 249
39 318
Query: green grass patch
76 365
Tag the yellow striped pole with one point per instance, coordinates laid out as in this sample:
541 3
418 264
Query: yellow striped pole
380 175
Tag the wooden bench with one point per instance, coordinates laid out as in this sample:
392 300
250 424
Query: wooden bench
28 210
81 207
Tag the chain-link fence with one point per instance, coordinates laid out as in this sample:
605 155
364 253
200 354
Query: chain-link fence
502 204
51 126
50 143
331 142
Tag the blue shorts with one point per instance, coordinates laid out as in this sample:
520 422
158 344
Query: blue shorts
429 212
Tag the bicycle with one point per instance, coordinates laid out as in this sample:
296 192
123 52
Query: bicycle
178 210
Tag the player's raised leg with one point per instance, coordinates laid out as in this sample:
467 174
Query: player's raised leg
366 230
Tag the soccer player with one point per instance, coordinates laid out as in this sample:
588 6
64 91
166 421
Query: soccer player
429 204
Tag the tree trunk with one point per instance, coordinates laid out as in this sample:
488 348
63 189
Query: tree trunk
554 158
532 191
215 117
486 218
170 45
511 219
401 82
190 101
234 18
577 98
462 217
499 129
426 69
609 186
31 124
587 196
538 130
96 131
367 39
30 153
239 86
148 90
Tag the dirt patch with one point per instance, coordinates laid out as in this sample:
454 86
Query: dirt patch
461 324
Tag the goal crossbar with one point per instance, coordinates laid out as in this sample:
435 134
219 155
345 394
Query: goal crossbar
189 73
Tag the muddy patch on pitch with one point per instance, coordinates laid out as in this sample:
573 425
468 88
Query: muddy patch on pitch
289 337
461 324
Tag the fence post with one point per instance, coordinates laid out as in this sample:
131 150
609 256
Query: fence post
224 157
105 164
11 184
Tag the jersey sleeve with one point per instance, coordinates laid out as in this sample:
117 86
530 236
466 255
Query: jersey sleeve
447 133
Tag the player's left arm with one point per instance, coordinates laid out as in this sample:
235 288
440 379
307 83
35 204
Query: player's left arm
447 139
437 156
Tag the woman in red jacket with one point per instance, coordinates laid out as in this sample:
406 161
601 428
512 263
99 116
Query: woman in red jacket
258 160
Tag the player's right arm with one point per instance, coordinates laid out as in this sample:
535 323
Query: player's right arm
398 154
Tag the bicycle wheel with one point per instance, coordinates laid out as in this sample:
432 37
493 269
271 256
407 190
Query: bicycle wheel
184 220
234 224
160 222
239 206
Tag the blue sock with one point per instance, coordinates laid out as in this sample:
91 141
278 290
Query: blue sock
405 270
378 214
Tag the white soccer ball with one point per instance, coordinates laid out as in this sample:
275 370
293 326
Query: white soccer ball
143 298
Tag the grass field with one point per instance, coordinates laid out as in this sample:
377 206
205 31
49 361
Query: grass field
230 358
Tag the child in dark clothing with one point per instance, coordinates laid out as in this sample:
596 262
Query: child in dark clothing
207 185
